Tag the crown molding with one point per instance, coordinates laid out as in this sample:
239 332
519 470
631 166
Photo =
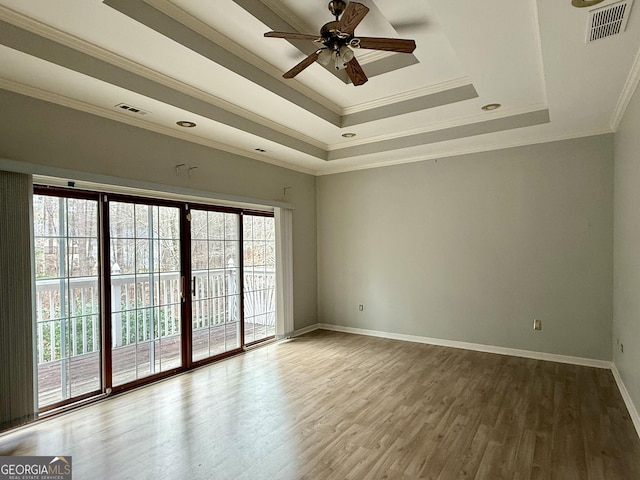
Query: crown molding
538 41
410 95
61 100
434 127
213 35
55 35
628 90
52 34
288 16
331 170
370 56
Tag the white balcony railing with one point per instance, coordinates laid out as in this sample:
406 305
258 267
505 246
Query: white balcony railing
143 307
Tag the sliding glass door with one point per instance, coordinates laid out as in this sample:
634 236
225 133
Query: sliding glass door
259 250
130 289
68 324
215 287
145 290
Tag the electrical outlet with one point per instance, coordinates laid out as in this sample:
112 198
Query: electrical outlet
361 307
537 324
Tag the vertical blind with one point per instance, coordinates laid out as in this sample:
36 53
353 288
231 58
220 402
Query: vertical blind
17 404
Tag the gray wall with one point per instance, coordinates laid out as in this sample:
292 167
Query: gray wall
37 132
626 307
473 248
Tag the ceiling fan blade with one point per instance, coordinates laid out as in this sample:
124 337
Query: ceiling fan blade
388 44
355 72
293 36
302 65
352 16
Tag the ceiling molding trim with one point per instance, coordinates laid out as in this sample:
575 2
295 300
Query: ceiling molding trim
162 23
410 95
397 105
527 119
447 97
462 151
114 115
67 40
533 5
32 44
178 14
434 127
190 32
370 56
285 14
630 86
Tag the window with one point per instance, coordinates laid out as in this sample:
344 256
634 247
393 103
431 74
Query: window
259 250
131 289
145 290
68 325
215 283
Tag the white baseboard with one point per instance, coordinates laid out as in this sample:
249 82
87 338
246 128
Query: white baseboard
304 330
551 357
633 411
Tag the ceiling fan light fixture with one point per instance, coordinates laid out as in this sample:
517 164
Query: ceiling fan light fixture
346 53
337 36
343 56
325 57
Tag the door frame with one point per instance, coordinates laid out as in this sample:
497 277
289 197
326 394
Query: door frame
104 287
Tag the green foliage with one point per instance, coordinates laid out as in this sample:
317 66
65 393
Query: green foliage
139 324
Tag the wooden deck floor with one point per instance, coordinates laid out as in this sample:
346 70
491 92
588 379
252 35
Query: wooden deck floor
337 406
132 362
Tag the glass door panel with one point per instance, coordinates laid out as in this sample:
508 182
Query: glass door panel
259 278
68 343
145 290
215 295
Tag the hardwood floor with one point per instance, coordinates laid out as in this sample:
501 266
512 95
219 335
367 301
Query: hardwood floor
330 405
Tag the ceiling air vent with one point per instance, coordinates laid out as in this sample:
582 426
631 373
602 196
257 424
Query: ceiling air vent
131 108
608 21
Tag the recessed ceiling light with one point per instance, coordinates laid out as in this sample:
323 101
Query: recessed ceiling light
349 135
491 106
185 124
261 150
584 3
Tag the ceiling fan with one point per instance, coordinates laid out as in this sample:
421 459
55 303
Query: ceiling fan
338 38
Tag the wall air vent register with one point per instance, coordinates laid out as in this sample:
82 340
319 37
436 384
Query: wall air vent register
608 20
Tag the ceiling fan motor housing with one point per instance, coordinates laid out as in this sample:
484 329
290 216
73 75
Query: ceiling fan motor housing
336 7
338 38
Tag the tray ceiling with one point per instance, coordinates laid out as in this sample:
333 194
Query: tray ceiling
209 63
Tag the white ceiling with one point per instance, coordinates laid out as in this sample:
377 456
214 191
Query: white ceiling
208 62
